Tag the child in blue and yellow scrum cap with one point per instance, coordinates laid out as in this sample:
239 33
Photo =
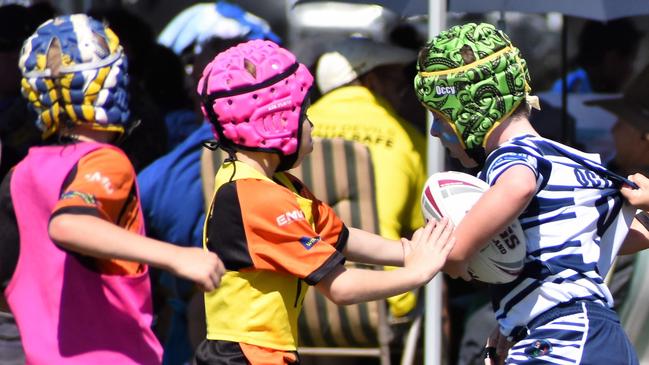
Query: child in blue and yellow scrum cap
73 232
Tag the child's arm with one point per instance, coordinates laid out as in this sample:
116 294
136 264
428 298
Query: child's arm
429 247
370 248
99 238
638 237
494 211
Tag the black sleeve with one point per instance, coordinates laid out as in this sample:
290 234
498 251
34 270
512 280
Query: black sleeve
226 235
342 239
9 236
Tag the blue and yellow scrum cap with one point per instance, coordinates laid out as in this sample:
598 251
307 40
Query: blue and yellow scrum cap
74 73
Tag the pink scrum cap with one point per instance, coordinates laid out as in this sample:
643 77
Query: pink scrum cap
253 94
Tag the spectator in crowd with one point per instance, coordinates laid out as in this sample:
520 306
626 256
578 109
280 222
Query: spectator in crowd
606 52
203 21
365 85
166 81
178 217
631 131
72 228
606 55
631 136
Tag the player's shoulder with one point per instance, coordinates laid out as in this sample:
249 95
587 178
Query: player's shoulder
520 147
106 159
107 155
257 202
256 194
298 185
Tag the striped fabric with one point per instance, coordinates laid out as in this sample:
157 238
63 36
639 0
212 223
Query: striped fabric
579 333
564 346
339 173
573 228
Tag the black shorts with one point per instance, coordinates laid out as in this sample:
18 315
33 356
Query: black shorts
218 352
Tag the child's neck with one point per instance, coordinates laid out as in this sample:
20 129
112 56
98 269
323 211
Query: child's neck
508 129
89 135
264 162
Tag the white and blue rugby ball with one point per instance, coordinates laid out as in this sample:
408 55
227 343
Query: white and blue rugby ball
451 194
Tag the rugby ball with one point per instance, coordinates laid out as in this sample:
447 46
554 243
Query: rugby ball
451 194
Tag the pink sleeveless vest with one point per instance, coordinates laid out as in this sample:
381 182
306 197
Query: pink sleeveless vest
66 313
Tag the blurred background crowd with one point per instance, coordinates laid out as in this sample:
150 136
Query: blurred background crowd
363 57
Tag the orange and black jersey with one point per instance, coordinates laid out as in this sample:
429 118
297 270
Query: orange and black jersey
102 184
274 237
256 225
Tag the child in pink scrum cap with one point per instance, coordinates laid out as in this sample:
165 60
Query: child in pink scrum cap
256 95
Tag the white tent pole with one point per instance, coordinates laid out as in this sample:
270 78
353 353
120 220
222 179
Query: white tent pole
433 305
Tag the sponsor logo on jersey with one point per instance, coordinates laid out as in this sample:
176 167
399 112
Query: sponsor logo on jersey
445 90
288 217
309 242
101 179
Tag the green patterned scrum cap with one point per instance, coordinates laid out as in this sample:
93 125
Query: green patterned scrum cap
474 78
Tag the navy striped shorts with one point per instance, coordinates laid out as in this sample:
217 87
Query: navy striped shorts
578 333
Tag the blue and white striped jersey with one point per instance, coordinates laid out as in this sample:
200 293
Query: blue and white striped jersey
574 227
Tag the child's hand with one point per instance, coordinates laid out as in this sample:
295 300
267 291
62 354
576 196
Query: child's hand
429 247
203 267
639 198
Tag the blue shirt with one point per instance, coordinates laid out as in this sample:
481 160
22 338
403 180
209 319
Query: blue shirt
172 195
577 82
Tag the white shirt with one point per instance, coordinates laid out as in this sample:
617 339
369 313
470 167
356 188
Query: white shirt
573 229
